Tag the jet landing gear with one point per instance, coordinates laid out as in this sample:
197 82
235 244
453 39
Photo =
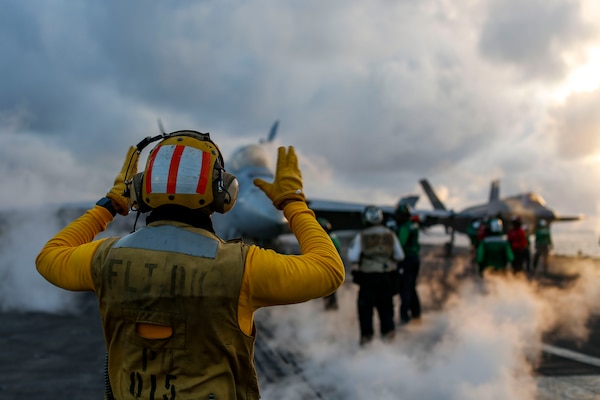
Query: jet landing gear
449 245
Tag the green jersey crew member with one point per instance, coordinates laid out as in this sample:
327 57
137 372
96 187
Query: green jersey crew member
494 251
473 234
543 244
408 268
177 302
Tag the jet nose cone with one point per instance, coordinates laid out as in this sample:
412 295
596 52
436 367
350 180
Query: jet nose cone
259 219
546 214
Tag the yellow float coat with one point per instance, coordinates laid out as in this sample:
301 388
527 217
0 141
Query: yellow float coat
269 278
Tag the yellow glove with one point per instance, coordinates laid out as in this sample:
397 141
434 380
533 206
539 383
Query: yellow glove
119 193
287 185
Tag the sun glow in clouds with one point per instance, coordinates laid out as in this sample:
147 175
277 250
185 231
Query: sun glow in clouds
582 78
586 77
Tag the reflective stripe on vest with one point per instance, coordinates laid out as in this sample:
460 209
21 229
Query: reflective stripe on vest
172 239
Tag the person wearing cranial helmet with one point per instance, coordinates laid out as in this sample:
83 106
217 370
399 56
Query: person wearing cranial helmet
373 253
543 245
177 302
473 234
494 252
407 232
517 237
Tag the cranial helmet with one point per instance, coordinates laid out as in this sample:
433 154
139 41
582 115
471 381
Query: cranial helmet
373 215
402 212
495 226
187 169
516 220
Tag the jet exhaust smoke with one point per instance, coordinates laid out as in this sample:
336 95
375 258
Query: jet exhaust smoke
479 339
23 233
22 288
482 342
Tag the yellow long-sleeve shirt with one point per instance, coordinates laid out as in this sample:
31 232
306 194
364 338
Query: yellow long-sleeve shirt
269 278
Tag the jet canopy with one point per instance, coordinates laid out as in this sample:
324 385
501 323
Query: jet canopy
532 198
249 156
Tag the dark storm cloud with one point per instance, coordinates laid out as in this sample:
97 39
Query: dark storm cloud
176 56
376 92
55 81
532 36
80 69
413 115
26 71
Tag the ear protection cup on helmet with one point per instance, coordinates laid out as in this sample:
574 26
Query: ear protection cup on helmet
225 192
136 202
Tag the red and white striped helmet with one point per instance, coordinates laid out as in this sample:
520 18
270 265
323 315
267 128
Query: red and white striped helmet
185 169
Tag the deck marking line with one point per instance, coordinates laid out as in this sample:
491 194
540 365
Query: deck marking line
572 355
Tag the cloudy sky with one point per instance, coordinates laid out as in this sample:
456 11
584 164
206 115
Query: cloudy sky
374 94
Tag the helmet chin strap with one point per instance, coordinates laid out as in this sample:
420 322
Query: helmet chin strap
220 187
137 216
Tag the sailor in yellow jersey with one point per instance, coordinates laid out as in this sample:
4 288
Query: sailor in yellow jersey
177 302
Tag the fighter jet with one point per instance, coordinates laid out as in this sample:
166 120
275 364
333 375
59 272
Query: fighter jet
530 207
348 215
253 217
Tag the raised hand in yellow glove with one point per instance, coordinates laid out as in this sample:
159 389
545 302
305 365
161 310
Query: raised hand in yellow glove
119 193
287 184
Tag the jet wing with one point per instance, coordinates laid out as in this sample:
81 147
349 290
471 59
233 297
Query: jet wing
341 215
429 218
348 215
565 218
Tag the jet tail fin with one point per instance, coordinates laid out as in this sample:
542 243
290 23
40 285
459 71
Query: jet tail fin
411 200
433 198
495 190
273 131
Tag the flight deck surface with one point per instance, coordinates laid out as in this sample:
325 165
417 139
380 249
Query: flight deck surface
303 351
